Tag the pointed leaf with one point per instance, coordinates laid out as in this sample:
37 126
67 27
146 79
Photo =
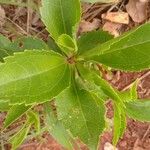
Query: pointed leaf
123 123
81 114
33 118
133 90
67 44
119 123
130 52
60 16
89 40
139 110
28 43
33 77
15 113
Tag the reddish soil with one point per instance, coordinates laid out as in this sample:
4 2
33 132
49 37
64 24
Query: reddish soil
137 135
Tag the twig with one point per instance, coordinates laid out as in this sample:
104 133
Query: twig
28 18
23 31
140 78
148 129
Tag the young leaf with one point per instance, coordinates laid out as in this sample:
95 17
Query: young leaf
90 40
123 123
119 123
29 43
129 95
57 129
19 137
133 90
130 52
81 115
139 110
67 44
60 16
33 77
15 113
33 117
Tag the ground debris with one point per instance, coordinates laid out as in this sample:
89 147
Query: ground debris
137 9
117 17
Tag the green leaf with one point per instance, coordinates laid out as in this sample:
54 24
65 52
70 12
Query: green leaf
101 1
90 75
93 88
53 46
4 105
123 123
133 90
130 52
139 110
33 117
90 40
67 44
20 136
119 123
28 43
4 43
82 114
129 95
15 113
125 95
33 77
60 16
56 128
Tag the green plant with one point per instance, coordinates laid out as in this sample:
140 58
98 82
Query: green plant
65 72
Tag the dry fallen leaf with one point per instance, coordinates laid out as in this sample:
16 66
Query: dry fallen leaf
112 28
117 17
2 16
137 9
86 26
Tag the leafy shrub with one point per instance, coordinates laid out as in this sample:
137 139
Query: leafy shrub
65 72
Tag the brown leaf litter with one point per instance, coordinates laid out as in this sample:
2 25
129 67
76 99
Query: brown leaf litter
137 9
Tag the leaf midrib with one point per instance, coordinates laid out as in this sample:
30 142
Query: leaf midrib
105 51
88 131
31 75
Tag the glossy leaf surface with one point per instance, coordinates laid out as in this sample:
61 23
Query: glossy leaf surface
60 16
129 52
139 110
33 77
76 109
